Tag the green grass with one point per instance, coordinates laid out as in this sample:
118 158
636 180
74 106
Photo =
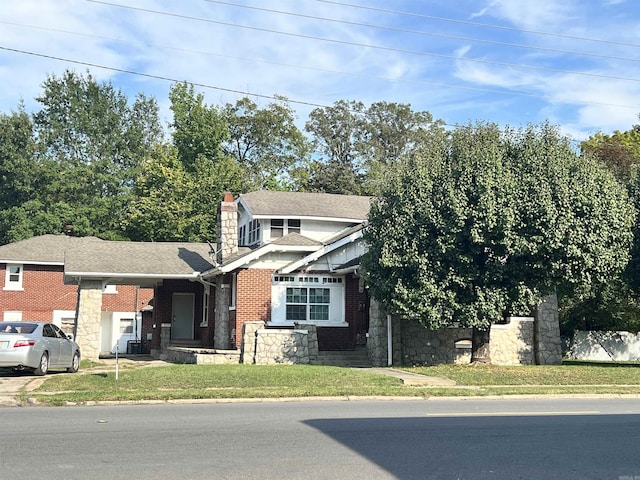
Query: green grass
176 382
570 373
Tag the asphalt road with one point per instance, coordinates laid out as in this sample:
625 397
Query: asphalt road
426 439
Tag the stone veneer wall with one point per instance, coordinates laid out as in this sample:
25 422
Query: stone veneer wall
512 343
377 335
89 317
277 346
248 347
312 339
413 344
547 333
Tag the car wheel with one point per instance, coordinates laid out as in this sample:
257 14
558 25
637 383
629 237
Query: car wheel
43 368
75 363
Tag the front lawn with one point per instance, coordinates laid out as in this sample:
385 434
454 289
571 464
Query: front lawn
174 382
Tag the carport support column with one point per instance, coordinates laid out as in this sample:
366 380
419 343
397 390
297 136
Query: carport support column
89 317
221 331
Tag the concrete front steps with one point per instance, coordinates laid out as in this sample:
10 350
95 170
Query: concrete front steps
358 358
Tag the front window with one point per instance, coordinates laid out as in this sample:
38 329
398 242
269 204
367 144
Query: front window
307 298
13 278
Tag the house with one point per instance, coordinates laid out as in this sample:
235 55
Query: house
33 288
281 285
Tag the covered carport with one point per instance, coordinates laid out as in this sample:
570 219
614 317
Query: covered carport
145 264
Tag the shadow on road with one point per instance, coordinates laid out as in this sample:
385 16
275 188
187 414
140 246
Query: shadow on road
495 447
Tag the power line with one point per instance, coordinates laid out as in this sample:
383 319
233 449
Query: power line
213 87
379 47
484 25
425 33
158 77
280 64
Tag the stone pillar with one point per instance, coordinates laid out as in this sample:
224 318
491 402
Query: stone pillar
248 349
89 317
312 339
377 340
548 345
165 339
221 332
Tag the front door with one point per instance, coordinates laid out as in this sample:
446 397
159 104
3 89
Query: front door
182 311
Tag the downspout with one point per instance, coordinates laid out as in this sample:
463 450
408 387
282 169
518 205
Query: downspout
389 342
75 321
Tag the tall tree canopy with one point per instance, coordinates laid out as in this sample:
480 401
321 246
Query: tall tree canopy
82 150
355 144
483 223
266 142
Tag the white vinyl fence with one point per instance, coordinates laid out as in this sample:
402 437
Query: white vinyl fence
607 346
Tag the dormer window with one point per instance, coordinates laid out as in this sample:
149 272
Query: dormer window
281 227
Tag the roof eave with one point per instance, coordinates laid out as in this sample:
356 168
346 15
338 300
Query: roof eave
292 267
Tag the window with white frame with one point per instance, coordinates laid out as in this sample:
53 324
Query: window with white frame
13 277
281 227
307 298
126 326
12 316
254 232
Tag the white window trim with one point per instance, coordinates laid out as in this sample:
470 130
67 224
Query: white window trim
13 285
279 303
12 316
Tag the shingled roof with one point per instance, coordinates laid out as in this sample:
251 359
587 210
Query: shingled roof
156 259
44 249
93 257
267 203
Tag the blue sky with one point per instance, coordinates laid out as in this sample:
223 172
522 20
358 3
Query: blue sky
575 63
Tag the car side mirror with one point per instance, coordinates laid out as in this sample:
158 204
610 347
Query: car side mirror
70 336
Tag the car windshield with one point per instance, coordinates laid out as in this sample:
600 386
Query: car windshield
17 327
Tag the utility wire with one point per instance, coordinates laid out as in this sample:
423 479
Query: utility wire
274 97
158 77
477 24
425 33
301 67
379 47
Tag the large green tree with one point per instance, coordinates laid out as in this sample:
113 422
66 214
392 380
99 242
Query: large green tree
91 142
266 142
483 223
355 145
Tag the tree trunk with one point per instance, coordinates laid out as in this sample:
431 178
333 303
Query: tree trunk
480 352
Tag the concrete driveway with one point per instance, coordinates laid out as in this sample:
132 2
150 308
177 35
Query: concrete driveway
13 383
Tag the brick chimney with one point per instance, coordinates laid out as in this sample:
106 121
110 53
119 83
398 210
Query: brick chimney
227 228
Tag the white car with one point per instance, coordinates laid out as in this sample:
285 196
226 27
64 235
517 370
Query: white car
37 346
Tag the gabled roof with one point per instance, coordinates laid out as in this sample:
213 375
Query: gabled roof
293 242
270 204
44 249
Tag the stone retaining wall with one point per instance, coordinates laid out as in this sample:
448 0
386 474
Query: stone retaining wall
202 356
513 343
277 346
